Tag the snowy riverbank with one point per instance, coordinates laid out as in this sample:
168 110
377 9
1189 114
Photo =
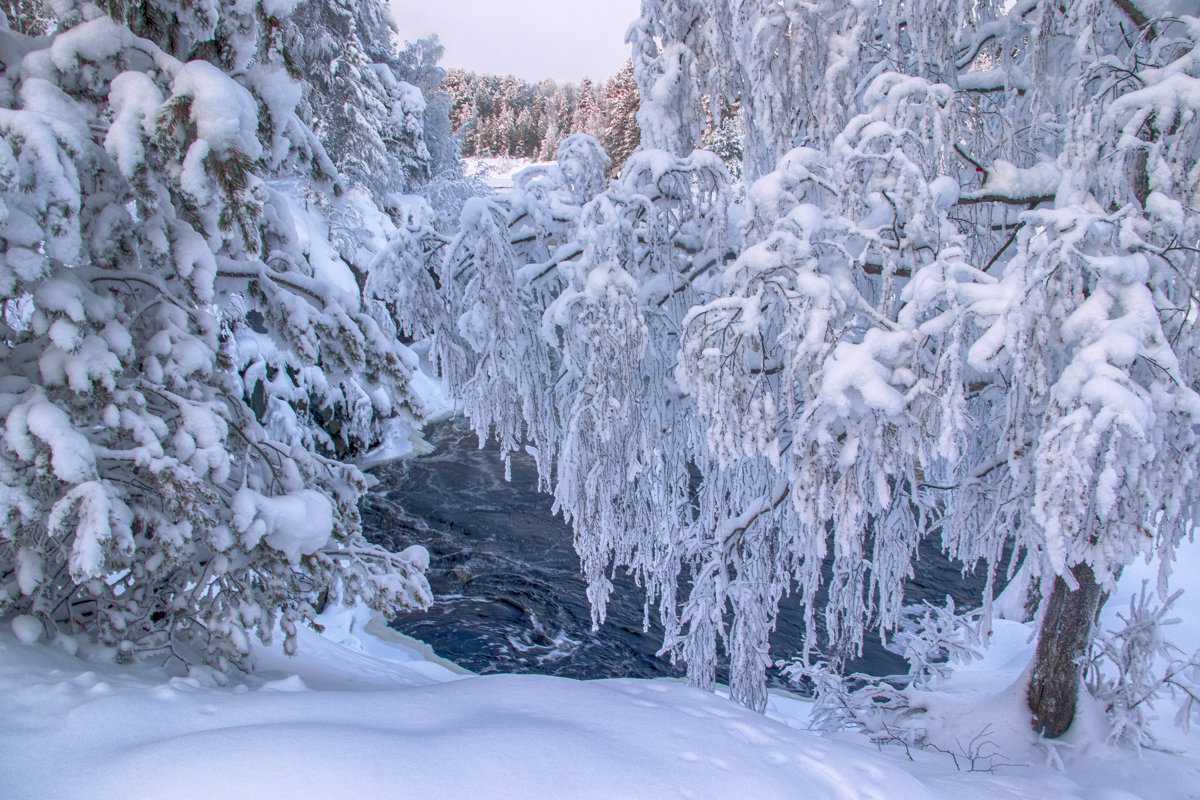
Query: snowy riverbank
357 715
365 712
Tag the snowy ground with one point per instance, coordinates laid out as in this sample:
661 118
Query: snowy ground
497 172
360 713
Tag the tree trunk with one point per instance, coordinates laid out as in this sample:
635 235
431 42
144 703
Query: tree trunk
1062 645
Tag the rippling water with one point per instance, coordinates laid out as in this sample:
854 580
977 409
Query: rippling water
508 594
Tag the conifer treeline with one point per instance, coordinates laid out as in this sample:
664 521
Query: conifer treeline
498 115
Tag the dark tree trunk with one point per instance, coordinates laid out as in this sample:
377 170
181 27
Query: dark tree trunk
1062 644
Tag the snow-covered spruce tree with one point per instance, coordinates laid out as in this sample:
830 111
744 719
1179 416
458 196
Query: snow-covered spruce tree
417 65
153 167
560 106
724 136
382 119
369 119
621 136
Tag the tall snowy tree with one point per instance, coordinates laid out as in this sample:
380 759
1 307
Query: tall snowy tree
589 113
607 277
1066 415
368 118
171 311
955 303
1095 336
621 136
560 106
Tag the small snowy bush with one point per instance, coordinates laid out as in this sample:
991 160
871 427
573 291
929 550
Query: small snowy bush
1132 668
932 640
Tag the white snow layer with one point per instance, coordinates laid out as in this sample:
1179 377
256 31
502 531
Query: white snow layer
360 714
498 171
403 435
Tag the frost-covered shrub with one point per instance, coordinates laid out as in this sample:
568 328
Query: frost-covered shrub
1132 668
878 708
166 274
933 640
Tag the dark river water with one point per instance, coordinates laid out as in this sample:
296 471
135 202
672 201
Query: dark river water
506 583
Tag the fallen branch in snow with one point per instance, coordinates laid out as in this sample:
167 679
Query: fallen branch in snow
981 754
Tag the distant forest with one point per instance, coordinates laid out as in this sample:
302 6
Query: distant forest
496 115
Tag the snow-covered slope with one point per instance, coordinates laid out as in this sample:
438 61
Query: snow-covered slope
356 715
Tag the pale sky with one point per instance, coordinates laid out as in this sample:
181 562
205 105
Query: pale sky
533 39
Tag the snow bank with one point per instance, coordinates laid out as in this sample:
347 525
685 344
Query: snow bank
74 730
403 435
357 715
498 171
